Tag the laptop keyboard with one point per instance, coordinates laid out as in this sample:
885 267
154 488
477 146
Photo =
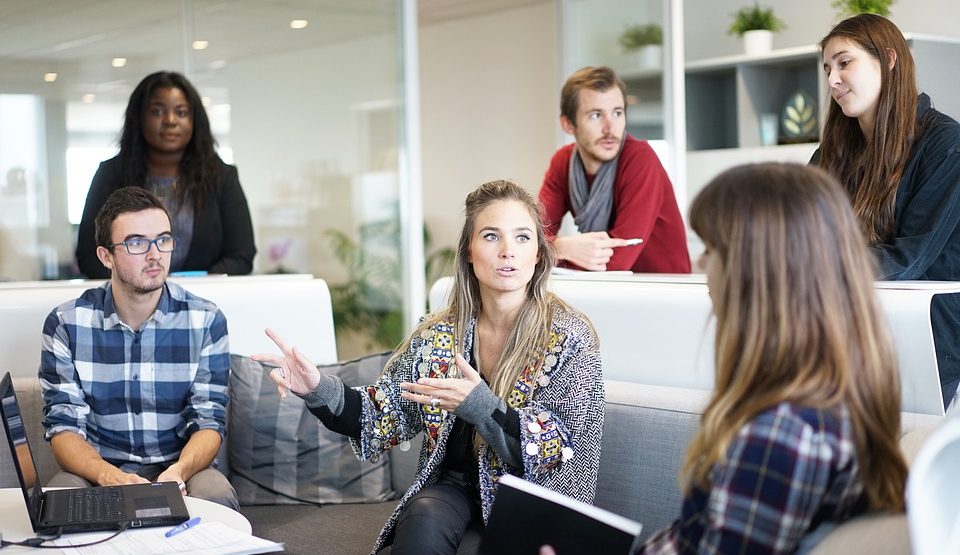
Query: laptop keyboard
95 504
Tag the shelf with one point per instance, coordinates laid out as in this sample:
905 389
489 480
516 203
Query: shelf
727 96
773 57
644 102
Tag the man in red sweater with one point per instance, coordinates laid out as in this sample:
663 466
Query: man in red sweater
613 184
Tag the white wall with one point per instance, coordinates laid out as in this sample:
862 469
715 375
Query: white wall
807 22
490 107
299 134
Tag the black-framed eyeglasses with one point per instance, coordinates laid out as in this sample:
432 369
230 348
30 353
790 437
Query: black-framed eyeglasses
141 245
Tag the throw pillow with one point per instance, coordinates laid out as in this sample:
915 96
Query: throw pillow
280 453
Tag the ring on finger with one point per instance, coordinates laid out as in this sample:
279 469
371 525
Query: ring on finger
434 402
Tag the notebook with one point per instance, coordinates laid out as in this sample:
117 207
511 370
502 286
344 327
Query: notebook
526 516
83 509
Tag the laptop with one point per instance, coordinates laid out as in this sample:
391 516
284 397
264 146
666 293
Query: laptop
83 509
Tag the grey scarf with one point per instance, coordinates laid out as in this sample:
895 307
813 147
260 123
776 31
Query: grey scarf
592 205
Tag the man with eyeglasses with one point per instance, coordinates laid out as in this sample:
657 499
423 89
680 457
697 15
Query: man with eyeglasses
134 372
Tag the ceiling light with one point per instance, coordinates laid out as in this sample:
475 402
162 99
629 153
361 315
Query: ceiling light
50 77
89 98
200 45
118 62
205 100
218 64
298 23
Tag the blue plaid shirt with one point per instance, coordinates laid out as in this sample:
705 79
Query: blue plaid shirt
135 396
789 469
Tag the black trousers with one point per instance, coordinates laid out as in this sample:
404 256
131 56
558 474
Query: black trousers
443 519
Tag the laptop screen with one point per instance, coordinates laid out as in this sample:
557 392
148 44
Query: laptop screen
19 447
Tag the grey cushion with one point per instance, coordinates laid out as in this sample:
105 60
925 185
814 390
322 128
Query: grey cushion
281 454
643 448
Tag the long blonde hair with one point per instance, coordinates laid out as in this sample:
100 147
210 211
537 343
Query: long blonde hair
797 320
531 331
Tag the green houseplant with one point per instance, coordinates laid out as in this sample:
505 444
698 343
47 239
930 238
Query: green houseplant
644 43
637 36
756 25
755 18
847 8
370 301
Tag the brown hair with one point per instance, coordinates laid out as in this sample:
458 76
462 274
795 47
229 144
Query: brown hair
797 319
599 79
871 170
122 201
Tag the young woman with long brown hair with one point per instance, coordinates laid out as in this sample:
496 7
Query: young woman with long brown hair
899 161
505 379
802 426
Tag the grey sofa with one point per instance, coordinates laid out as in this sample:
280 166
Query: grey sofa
645 435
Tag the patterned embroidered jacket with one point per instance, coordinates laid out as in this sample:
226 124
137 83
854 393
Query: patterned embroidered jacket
560 403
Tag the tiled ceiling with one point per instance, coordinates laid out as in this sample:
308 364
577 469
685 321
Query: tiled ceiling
78 38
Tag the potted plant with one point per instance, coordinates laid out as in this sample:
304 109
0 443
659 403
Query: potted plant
369 303
645 41
756 25
847 8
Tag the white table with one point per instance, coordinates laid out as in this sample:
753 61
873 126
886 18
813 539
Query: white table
15 523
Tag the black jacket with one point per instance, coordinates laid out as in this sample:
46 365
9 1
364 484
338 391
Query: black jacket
926 239
222 240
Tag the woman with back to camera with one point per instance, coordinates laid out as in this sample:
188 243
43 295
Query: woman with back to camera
505 379
899 161
802 426
166 147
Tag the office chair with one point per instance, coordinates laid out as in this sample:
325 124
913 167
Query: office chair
933 493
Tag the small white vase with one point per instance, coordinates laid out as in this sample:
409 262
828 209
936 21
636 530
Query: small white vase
649 56
758 41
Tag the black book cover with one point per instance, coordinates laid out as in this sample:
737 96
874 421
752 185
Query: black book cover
526 516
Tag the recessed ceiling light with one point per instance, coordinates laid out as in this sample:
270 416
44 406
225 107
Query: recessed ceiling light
118 62
89 98
298 23
50 77
200 45
218 64
205 100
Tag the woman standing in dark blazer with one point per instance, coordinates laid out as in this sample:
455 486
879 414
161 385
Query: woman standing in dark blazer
167 147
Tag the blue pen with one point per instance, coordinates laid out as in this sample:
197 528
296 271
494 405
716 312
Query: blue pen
180 528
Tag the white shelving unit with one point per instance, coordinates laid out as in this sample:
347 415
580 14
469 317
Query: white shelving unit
645 111
725 96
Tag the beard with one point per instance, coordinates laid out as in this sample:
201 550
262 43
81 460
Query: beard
138 282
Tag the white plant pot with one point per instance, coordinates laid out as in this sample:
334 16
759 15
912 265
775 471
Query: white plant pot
649 56
757 42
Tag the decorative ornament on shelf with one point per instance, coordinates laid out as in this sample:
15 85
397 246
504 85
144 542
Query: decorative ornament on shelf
847 8
799 119
756 26
645 42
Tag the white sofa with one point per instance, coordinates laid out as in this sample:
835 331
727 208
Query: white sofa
647 425
657 330
296 305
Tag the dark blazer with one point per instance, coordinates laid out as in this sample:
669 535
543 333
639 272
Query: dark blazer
926 240
222 240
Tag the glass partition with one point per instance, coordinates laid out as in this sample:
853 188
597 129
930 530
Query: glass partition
627 35
304 97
